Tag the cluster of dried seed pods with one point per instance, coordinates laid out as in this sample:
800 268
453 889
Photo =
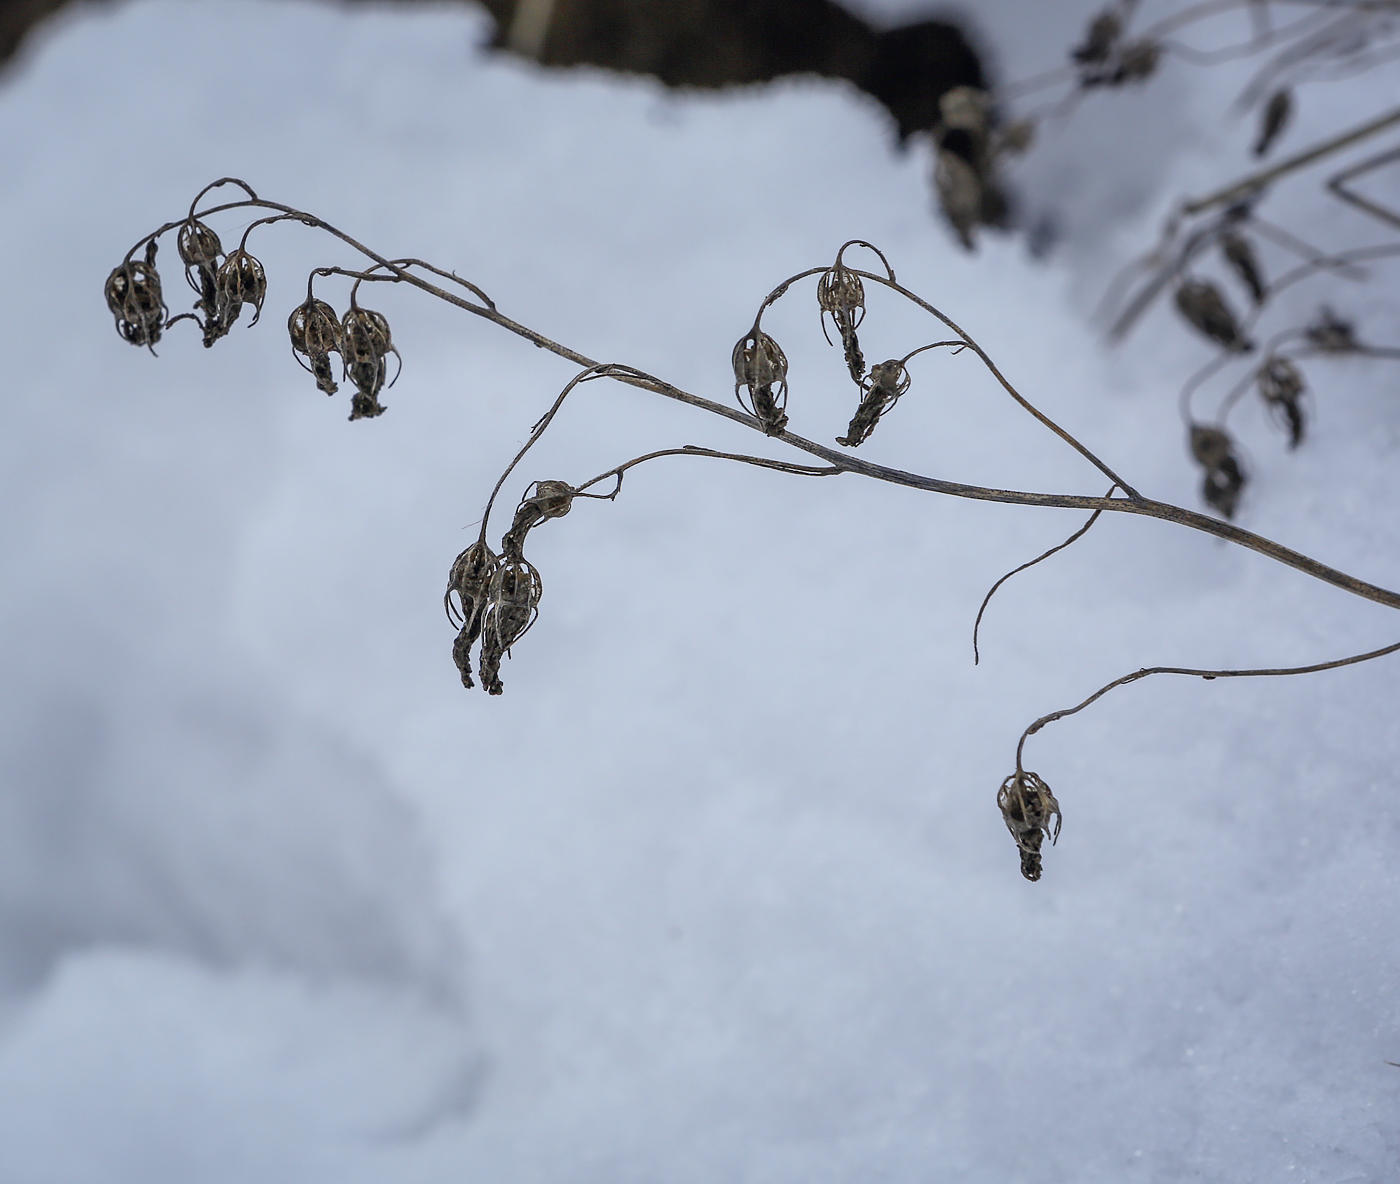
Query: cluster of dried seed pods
1281 387
1027 806
761 367
133 295
1225 478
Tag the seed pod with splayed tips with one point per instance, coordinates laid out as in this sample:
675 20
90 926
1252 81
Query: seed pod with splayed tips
1281 386
840 293
1225 478
1201 303
959 193
1099 39
1027 806
1239 254
1277 113
133 296
470 579
888 380
315 332
240 280
200 250
543 500
512 604
365 346
1329 334
761 366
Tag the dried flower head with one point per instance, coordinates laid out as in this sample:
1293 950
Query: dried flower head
1225 478
365 346
1239 254
1027 806
1277 113
1281 386
200 251
543 500
1099 39
470 580
315 332
761 366
512 604
888 380
133 295
239 280
1329 334
1202 303
840 293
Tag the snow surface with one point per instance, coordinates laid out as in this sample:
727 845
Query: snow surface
717 890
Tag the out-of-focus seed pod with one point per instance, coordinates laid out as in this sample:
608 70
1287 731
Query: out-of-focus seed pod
200 251
888 380
967 109
1202 303
133 296
1329 334
1277 112
840 293
315 332
1099 39
543 500
1239 254
1027 807
960 194
470 581
1137 62
761 367
512 604
240 280
1015 137
1281 386
365 346
1224 478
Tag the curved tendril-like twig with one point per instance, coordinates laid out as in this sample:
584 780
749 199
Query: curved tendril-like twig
761 462
1205 674
986 600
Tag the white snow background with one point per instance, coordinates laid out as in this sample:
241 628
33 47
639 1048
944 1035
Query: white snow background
718 889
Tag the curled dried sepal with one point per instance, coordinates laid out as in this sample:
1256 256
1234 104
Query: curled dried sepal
888 380
470 580
1277 113
239 280
365 346
840 293
1281 386
133 296
1027 806
761 366
1225 478
1202 303
200 251
315 332
512 604
1329 334
543 500
1239 254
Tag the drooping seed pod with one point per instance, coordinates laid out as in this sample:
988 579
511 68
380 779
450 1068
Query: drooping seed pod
239 280
1239 254
1027 807
133 296
470 580
315 332
200 251
365 346
1281 386
960 194
888 380
543 500
1224 477
840 293
512 604
1329 334
1202 303
761 366
1099 39
1277 113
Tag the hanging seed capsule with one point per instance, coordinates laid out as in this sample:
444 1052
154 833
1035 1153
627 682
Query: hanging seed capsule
761 366
512 604
1201 303
1224 478
239 280
840 293
1281 386
1027 806
888 380
365 346
1277 112
200 250
1329 334
1239 254
960 194
470 579
1099 39
133 296
543 500
315 332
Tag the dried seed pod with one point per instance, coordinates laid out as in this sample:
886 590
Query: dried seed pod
470 579
543 500
1015 137
1329 334
365 346
840 293
133 296
239 280
1239 254
1027 806
1281 386
315 332
1224 478
960 193
512 604
1277 112
200 251
888 380
1202 303
761 366
1137 62
1099 39
967 109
